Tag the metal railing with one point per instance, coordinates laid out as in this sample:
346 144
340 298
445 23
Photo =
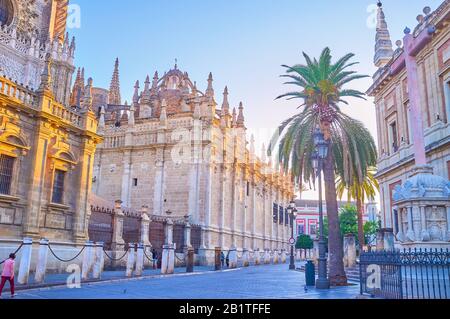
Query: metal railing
407 274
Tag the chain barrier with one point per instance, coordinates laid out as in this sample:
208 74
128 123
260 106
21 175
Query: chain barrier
150 259
182 260
17 250
115 259
63 260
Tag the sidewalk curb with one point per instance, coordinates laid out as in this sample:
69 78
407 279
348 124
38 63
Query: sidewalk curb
49 286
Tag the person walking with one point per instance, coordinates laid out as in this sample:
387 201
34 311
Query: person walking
222 259
228 259
155 258
8 274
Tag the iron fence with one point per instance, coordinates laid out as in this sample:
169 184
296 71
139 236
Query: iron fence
407 274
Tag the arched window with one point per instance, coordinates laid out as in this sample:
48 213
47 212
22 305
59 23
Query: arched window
6 12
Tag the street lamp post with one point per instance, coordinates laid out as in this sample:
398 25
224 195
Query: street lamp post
292 210
320 154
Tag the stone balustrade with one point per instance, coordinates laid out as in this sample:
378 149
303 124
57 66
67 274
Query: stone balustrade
17 92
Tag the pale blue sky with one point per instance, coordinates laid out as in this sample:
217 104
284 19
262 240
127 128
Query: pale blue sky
244 44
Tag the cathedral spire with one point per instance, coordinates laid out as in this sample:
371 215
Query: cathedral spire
225 104
46 78
383 43
240 119
234 118
87 98
114 89
136 93
210 90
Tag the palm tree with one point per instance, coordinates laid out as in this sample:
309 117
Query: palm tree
359 192
320 84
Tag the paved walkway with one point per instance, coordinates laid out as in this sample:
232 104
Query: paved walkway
260 282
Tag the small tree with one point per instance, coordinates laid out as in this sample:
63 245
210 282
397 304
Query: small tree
304 242
370 230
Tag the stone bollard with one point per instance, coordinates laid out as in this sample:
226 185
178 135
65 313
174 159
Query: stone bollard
257 257
275 257
245 258
349 251
25 261
99 262
190 260
217 259
233 258
87 262
267 257
283 256
139 260
41 267
131 259
168 260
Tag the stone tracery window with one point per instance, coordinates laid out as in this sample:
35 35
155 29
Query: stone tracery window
6 12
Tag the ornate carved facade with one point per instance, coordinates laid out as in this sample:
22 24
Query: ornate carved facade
172 150
46 147
412 98
29 31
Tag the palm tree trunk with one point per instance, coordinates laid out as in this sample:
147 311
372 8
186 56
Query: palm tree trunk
335 242
360 209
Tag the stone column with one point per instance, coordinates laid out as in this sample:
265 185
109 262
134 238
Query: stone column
233 258
126 176
425 235
245 258
169 232
410 236
41 266
131 259
257 257
145 227
99 261
276 258
118 244
87 260
349 251
168 260
283 256
187 235
25 261
139 260
266 256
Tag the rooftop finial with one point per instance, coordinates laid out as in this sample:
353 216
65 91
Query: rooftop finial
240 119
225 104
383 43
210 90
114 89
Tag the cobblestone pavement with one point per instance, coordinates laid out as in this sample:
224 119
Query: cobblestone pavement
257 282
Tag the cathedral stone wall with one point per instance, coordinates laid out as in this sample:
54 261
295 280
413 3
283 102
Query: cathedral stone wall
191 159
